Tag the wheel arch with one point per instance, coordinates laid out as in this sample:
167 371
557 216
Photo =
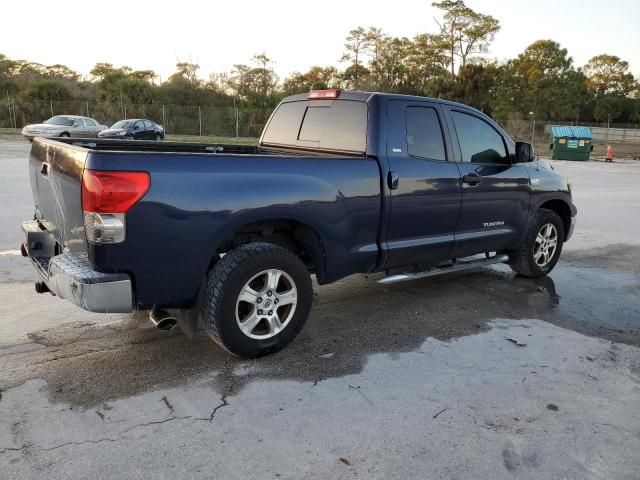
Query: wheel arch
292 234
563 209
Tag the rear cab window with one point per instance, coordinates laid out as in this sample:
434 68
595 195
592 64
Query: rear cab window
332 125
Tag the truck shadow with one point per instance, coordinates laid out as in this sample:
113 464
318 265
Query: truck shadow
351 319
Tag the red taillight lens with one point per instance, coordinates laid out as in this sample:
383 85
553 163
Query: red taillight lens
112 192
324 93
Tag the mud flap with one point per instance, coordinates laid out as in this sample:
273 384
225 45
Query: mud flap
187 318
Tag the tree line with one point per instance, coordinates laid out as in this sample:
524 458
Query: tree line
542 81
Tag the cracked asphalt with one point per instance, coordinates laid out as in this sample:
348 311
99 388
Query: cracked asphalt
466 376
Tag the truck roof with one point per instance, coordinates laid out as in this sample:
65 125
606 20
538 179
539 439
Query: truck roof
367 96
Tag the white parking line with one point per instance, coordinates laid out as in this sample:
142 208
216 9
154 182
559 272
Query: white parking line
9 252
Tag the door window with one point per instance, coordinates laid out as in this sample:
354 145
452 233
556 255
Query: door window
78 122
89 123
138 125
424 134
479 141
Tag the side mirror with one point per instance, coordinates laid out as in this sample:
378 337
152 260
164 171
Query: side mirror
524 152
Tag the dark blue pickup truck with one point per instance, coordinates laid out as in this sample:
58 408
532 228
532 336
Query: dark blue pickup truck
340 183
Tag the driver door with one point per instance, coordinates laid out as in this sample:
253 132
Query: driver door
495 189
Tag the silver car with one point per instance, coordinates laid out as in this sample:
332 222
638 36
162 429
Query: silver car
64 126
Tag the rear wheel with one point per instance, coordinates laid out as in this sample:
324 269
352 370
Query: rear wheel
65 135
541 248
256 299
158 137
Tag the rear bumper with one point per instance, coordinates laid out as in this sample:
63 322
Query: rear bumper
70 276
32 135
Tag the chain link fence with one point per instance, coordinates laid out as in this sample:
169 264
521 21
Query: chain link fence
176 119
249 122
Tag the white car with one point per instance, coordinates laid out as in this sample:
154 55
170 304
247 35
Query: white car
64 126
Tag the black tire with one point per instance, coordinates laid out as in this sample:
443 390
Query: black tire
158 137
222 289
523 260
65 135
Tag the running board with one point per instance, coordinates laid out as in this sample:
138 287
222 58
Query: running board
455 267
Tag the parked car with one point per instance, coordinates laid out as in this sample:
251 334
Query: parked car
340 183
64 126
134 129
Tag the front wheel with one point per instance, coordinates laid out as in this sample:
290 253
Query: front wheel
158 137
542 245
256 299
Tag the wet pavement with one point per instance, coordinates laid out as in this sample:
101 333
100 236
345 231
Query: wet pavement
477 375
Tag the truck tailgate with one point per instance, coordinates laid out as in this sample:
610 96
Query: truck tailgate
55 171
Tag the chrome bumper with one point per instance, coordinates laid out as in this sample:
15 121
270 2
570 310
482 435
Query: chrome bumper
70 276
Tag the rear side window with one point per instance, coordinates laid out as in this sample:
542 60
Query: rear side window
339 125
479 141
424 134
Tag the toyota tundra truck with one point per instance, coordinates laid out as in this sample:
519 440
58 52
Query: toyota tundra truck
340 183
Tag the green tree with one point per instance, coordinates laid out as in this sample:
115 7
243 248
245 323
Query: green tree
43 89
541 80
464 31
316 78
609 75
608 108
356 44
122 85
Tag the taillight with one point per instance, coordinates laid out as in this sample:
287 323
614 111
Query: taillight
324 93
112 192
106 197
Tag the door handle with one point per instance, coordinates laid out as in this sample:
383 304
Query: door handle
392 180
472 180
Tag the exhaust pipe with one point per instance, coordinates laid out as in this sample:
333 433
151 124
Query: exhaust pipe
162 319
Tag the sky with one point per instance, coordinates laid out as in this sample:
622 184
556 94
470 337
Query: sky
155 34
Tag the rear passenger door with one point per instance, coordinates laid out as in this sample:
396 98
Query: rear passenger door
424 185
495 190
150 132
92 127
138 130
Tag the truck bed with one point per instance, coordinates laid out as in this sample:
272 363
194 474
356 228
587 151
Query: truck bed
189 147
200 195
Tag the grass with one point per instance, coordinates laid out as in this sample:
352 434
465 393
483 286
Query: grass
177 138
211 139
10 131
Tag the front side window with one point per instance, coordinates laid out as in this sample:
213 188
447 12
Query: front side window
78 122
424 134
89 123
479 141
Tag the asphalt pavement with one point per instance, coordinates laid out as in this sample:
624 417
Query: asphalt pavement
465 376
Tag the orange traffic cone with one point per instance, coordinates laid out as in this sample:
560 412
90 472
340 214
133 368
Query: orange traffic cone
609 156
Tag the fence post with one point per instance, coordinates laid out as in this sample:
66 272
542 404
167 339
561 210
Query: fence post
200 119
87 104
237 121
51 105
164 122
